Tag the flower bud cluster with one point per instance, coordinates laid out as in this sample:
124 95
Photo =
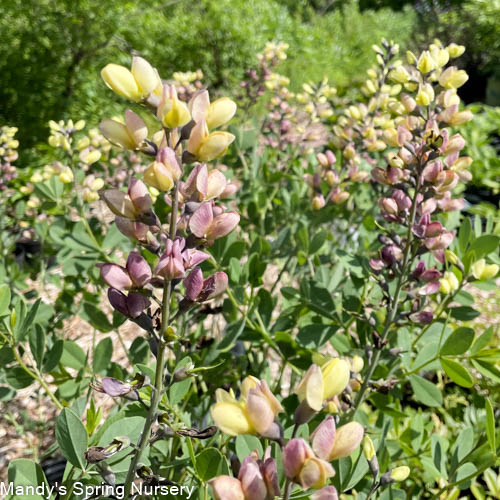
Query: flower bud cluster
8 154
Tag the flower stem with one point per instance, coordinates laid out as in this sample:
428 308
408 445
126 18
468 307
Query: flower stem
393 309
160 363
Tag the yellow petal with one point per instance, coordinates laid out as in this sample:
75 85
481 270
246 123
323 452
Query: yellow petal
231 419
145 75
136 127
335 377
120 80
220 112
117 133
214 146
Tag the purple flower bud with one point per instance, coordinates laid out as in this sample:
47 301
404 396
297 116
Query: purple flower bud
193 284
440 242
115 276
136 303
213 286
377 264
138 269
252 481
193 257
424 317
118 300
430 275
391 254
114 388
295 454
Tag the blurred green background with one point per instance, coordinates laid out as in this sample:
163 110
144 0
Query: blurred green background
52 50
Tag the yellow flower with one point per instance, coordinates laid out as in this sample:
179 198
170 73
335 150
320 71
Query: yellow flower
253 413
320 384
449 283
483 271
136 83
453 78
171 111
205 146
455 50
400 473
128 135
426 62
425 94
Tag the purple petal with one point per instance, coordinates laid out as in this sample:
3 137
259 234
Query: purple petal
193 284
138 269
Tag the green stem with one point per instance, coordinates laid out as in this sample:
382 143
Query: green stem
160 362
33 374
393 309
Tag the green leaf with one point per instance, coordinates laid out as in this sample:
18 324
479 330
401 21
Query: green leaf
487 369
25 325
464 235
73 355
4 300
317 242
96 317
102 355
457 372
464 313
71 437
37 344
53 356
484 245
482 341
425 392
458 342
208 463
24 472
245 444
490 425
17 378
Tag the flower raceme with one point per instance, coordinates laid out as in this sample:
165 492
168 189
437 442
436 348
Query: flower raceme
253 413
135 84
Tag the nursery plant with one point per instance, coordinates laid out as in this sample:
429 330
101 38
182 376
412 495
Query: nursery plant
298 275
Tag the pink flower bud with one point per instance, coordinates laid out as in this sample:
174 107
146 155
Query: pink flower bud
114 388
115 276
430 288
138 269
213 286
402 199
193 257
322 159
134 230
433 229
323 438
455 143
171 263
222 225
330 157
347 439
440 242
252 481
227 488
139 195
295 454
377 264
388 205
430 275
193 284
326 493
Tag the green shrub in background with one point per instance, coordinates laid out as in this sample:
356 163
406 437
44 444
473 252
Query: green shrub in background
50 49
